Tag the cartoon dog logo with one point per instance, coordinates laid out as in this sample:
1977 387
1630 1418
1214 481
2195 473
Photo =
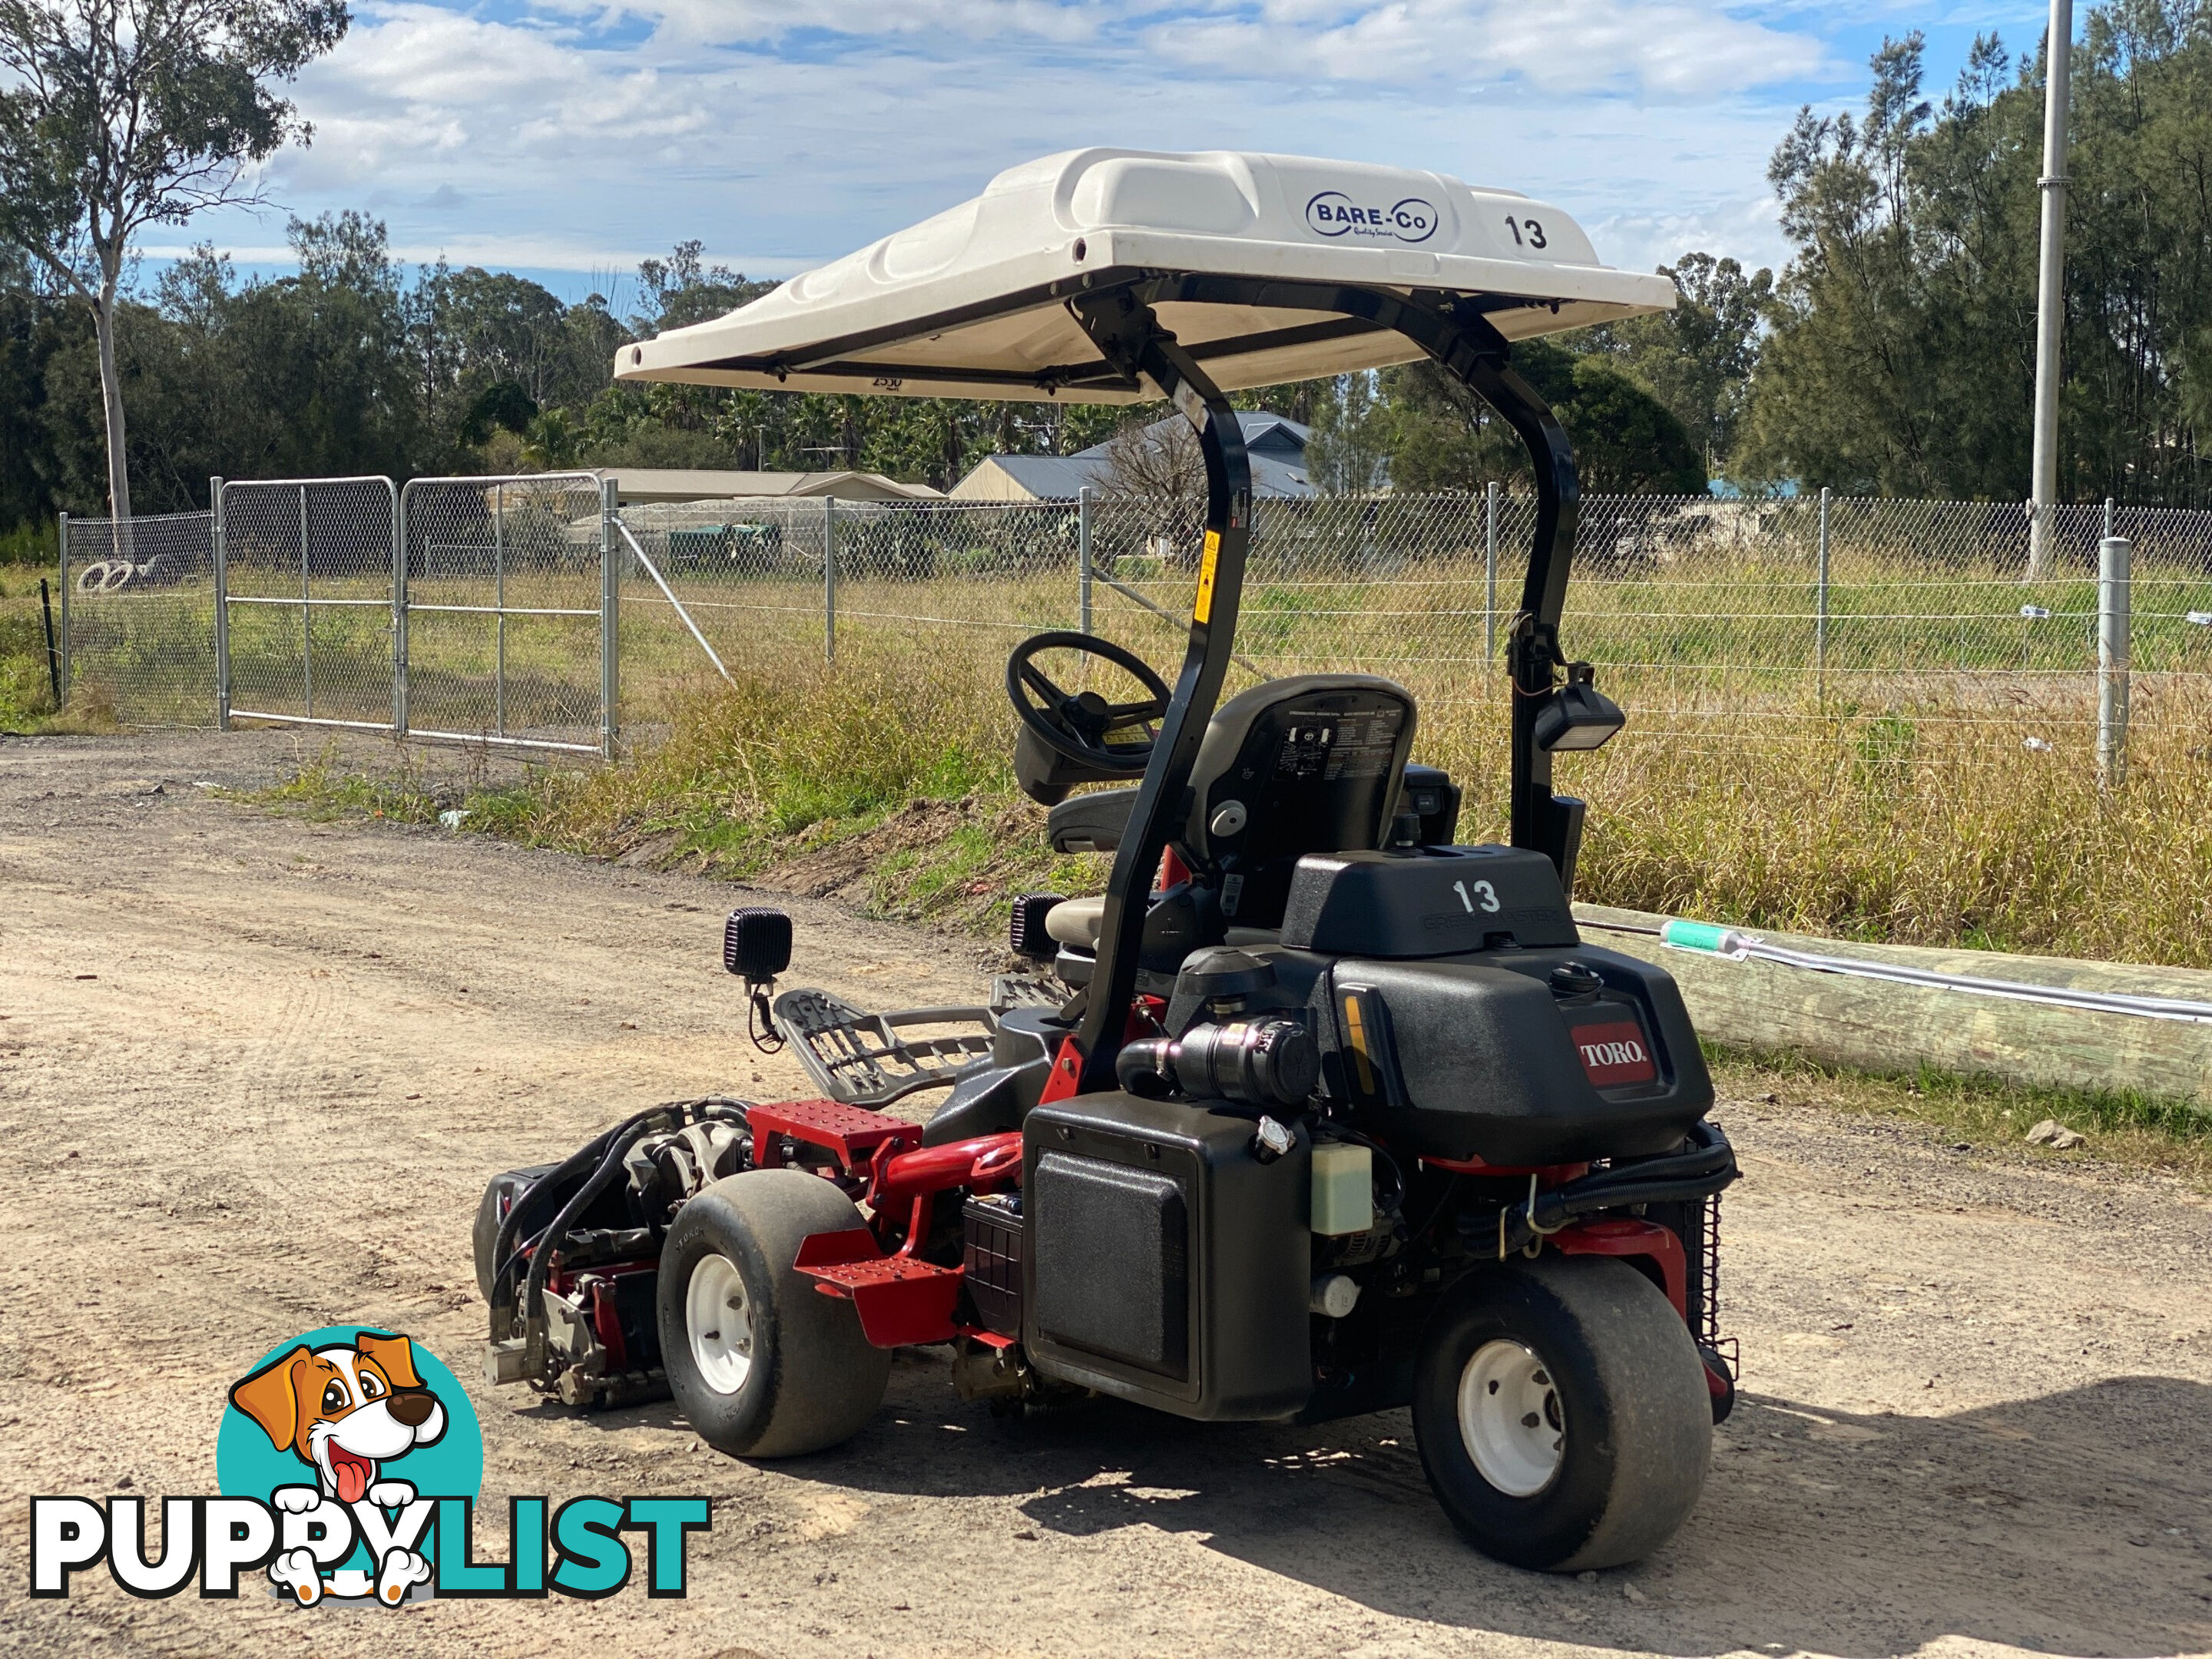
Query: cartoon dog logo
345 1411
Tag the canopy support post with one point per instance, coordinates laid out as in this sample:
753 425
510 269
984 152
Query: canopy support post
1129 335
1461 339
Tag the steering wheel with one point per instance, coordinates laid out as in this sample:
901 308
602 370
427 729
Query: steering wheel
1082 726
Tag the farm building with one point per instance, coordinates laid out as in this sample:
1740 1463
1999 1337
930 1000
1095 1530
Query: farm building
1276 446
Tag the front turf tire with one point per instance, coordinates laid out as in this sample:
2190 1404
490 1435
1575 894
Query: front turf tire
1562 1413
760 1363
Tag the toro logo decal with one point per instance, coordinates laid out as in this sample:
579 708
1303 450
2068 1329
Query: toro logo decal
348 1462
1615 1053
1333 213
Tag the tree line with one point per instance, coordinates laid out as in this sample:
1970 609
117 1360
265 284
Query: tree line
1894 354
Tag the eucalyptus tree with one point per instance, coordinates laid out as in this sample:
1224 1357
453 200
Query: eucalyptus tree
116 115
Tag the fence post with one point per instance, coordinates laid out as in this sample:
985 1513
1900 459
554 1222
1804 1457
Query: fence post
1083 559
62 535
219 562
2113 657
306 617
499 607
610 622
829 578
399 711
1489 570
1820 610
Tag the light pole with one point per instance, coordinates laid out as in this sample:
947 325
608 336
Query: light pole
2050 287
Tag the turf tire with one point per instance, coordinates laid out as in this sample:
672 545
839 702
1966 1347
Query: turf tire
1638 1419
812 1379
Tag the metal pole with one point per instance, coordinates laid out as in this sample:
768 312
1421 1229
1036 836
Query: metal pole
306 617
829 578
62 531
399 711
53 646
637 551
610 623
1489 570
499 608
2113 654
1083 559
1821 609
2050 284
219 554
2108 515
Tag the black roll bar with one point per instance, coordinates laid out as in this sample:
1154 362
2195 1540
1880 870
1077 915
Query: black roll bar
1123 323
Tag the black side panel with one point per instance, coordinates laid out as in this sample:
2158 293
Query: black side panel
1131 1302
1108 1179
1319 769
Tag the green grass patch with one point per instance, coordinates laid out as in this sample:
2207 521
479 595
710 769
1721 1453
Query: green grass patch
1989 1114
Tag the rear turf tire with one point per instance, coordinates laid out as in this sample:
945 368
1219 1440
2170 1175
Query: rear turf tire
1562 1413
761 1362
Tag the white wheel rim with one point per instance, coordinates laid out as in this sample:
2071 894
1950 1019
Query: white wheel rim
719 1321
1510 1419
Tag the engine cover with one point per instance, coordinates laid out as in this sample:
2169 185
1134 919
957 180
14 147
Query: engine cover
1476 1057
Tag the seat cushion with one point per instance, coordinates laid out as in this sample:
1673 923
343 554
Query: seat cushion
1077 921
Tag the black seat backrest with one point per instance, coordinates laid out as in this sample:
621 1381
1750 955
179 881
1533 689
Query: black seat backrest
1307 764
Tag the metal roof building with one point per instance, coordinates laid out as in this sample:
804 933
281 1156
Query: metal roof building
1277 447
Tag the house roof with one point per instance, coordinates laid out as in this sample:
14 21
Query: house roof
658 483
1274 445
1266 432
976 301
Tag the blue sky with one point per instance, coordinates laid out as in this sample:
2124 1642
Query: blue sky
568 138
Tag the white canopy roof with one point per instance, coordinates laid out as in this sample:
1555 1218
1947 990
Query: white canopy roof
973 303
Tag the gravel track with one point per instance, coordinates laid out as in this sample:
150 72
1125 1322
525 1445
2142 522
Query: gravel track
1979 1395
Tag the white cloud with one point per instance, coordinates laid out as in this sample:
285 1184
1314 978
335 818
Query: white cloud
725 21
1746 231
559 135
1660 50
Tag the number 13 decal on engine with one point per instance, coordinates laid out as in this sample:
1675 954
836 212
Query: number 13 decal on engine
1478 895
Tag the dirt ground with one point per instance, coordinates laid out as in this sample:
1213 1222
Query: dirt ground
255 1072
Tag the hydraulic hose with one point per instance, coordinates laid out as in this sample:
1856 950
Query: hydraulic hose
602 1154
1706 1167
616 1143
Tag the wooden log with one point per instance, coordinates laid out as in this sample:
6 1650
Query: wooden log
1878 1025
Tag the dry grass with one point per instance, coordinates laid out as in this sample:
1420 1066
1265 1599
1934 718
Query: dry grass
26 698
885 783
1940 832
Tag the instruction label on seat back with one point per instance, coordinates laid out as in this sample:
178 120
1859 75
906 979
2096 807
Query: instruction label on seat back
1328 745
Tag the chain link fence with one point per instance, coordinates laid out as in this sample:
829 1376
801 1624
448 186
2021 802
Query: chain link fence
306 617
1721 625
138 619
503 607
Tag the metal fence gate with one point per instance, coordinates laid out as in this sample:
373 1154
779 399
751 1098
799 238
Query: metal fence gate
506 608
479 609
304 612
138 619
